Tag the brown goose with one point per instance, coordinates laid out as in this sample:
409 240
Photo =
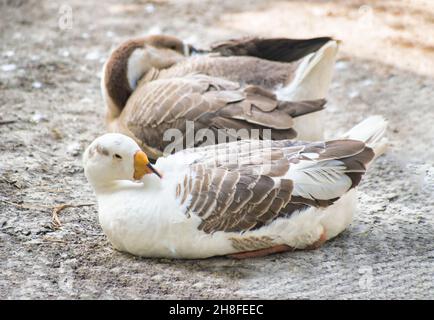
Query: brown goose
154 84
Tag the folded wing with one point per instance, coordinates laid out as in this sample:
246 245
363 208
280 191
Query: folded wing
275 49
211 103
244 185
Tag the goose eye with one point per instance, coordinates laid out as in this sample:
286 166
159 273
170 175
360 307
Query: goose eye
117 156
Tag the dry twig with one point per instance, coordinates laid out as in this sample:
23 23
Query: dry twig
55 221
7 121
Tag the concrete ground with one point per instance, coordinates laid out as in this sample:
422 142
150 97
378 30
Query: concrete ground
51 109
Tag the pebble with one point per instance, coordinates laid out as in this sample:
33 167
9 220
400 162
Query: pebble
57 134
150 8
37 85
38 117
64 53
154 30
353 94
341 65
8 67
85 100
157 277
199 285
392 197
94 55
9 53
319 12
366 82
73 149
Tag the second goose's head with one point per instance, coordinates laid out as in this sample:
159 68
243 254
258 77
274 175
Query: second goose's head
133 59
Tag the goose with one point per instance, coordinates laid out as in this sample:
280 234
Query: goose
155 83
243 199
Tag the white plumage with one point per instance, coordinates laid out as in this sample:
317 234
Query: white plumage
156 217
319 180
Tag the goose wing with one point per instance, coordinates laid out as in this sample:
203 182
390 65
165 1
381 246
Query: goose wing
270 63
210 103
244 185
275 49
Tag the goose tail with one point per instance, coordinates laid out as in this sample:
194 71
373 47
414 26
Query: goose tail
311 81
313 76
372 132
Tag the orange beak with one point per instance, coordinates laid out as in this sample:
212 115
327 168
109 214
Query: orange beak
142 166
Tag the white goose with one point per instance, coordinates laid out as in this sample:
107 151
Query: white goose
224 199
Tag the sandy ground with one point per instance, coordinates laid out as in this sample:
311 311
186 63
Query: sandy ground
50 109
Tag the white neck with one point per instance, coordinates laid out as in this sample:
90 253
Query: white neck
108 187
138 65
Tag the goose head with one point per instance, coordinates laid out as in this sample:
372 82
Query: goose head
133 59
113 157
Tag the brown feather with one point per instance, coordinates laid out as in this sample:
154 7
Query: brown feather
278 49
239 199
164 104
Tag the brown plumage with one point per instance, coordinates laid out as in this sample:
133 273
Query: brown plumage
210 103
150 86
276 49
231 190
